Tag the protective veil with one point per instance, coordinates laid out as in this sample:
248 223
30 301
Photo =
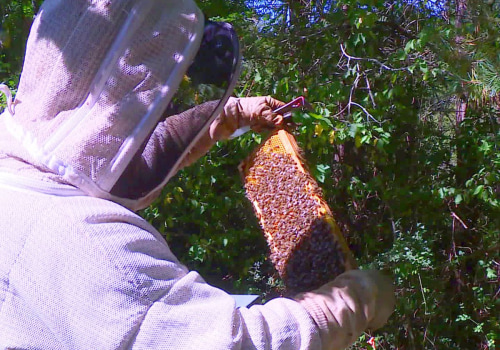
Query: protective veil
98 78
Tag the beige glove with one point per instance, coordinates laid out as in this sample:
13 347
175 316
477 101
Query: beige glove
256 112
344 308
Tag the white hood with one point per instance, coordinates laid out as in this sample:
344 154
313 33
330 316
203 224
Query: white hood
96 79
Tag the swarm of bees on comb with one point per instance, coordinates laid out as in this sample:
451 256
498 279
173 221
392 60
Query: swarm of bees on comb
307 247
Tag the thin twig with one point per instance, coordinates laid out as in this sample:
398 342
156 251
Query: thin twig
353 88
370 92
366 112
458 219
423 295
384 66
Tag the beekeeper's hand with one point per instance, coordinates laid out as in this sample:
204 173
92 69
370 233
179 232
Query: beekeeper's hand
256 112
343 309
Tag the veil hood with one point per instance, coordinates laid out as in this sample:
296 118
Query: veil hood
96 79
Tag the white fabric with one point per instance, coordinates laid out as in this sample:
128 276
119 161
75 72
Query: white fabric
79 272
367 302
96 79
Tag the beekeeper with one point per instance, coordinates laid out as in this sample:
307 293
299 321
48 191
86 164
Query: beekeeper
101 120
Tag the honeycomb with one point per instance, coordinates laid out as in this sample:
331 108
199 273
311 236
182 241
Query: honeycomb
306 245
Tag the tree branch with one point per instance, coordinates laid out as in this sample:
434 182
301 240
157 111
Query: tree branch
384 66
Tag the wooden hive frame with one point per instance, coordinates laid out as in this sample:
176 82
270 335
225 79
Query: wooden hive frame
307 247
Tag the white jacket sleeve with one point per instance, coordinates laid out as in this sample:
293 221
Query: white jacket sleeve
187 313
194 315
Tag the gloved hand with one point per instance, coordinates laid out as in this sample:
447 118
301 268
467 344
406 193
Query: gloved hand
356 300
256 112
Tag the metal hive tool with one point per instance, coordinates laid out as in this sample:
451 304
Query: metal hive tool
307 247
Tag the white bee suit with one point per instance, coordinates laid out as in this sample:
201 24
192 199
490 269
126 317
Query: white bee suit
78 268
86 273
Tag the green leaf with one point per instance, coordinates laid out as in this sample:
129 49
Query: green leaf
359 38
478 328
401 55
257 78
410 46
491 273
322 170
478 190
354 129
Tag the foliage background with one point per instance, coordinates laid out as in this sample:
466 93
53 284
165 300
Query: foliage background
404 140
